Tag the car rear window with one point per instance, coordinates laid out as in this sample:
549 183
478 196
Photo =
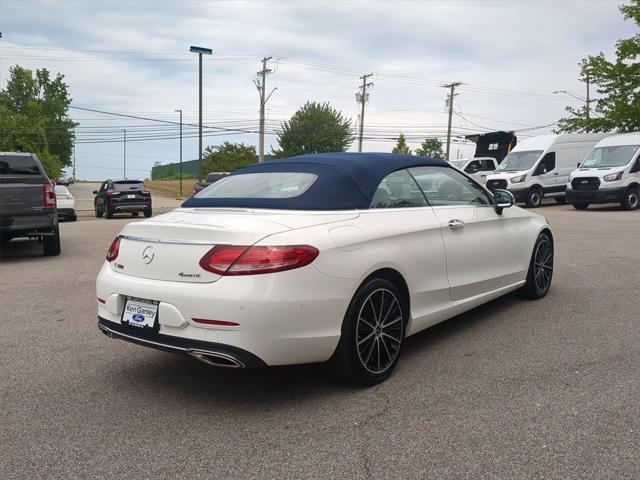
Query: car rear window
260 185
18 165
121 186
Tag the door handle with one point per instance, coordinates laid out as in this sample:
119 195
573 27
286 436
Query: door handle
555 174
456 224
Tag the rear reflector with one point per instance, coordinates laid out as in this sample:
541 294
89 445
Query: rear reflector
222 323
244 260
114 249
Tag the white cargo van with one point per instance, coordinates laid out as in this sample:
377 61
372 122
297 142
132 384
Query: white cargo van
609 174
539 167
478 167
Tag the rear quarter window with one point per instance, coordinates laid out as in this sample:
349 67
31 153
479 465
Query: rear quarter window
18 165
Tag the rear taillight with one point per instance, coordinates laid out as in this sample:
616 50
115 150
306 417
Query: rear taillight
112 193
244 260
114 249
49 195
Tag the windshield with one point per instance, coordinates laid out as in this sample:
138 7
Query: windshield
458 163
260 185
617 156
517 161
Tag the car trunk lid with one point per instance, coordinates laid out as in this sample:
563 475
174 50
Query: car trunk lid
170 246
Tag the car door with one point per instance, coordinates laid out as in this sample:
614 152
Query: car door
546 174
402 228
483 249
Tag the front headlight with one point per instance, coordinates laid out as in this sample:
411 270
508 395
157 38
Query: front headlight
519 179
613 177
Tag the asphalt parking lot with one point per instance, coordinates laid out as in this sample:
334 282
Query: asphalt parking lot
514 389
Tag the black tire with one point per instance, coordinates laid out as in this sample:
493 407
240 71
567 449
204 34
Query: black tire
51 245
580 206
534 197
631 199
74 218
98 212
369 349
540 271
108 213
147 212
561 200
135 214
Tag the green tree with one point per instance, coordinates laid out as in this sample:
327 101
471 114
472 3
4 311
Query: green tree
227 157
618 85
401 146
314 128
34 117
431 147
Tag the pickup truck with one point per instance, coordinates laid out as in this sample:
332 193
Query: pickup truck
478 167
27 202
212 177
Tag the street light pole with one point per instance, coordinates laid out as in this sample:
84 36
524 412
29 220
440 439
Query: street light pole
200 51
180 110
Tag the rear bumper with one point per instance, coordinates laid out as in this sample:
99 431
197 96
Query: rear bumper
130 207
605 195
223 355
66 213
286 318
22 226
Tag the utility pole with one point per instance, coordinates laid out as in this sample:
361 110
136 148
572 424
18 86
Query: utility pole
452 87
260 83
362 97
588 100
180 110
74 154
124 154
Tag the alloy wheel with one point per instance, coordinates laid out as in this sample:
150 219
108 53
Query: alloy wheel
543 265
379 330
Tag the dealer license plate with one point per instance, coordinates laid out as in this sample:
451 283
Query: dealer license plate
140 313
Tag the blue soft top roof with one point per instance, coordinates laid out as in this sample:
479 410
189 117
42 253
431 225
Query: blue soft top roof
345 181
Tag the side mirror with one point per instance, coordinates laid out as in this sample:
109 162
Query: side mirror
503 199
95 192
578 165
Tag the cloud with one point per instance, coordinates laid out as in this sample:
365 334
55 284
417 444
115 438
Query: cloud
523 46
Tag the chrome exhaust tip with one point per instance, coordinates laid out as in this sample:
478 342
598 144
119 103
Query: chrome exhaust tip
217 359
106 332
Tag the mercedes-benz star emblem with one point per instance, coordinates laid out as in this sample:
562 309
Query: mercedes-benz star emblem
147 255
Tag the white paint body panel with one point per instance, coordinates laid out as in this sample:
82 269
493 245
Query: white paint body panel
296 316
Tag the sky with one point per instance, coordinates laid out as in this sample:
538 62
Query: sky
131 57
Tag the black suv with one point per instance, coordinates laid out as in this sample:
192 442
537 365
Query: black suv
120 196
27 202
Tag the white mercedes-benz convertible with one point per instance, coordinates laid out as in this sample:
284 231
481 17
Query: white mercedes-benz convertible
328 257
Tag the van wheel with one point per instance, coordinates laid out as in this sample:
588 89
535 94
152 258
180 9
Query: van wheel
561 200
540 269
372 334
631 201
580 206
534 197
51 245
